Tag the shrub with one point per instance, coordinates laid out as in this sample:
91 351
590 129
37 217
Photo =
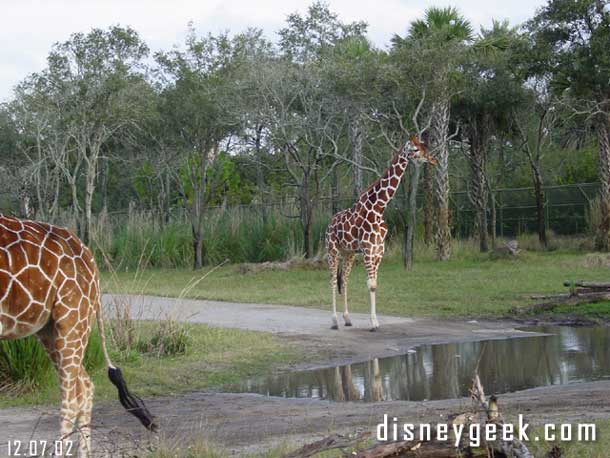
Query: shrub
167 338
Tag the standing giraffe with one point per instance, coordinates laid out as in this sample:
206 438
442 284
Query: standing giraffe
361 229
49 286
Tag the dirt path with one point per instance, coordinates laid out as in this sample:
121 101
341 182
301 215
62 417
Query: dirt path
311 327
244 422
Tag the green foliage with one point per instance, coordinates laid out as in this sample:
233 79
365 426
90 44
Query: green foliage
308 37
579 166
145 184
572 43
232 119
236 234
25 366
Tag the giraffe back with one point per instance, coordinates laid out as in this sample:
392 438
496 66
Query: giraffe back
45 272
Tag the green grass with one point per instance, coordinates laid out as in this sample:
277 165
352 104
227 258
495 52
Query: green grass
470 285
574 449
25 366
214 358
203 448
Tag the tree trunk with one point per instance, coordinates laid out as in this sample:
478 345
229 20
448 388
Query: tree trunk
478 185
91 160
494 219
356 135
89 190
105 171
540 204
197 247
260 174
428 204
307 240
440 131
199 181
75 205
306 212
166 200
412 221
55 204
602 241
334 191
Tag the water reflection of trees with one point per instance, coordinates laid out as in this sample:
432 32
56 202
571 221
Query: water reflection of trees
445 371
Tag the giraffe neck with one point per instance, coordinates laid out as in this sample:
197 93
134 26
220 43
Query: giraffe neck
382 191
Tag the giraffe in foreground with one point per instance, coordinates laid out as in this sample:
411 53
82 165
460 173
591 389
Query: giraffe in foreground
361 229
49 286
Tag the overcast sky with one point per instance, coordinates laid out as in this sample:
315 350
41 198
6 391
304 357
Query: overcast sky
28 28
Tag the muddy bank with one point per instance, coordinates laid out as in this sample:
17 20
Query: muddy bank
245 422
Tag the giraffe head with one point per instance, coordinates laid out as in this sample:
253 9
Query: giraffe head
417 151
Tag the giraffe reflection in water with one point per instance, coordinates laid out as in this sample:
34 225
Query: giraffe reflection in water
340 384
445 371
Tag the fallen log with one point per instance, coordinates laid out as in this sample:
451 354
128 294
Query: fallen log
574 299
416 449
540 297
587 284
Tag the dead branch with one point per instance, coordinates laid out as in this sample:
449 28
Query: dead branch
514 448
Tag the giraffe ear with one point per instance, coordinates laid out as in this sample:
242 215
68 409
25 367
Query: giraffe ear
416 141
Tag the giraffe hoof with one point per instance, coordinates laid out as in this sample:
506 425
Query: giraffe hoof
375 329
334 327
349 323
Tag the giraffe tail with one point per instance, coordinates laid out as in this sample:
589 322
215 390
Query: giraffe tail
340 279
132 403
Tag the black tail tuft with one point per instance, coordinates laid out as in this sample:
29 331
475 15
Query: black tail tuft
340 280
132 403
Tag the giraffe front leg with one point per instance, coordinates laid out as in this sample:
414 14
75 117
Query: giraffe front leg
372 286
333 263
371 261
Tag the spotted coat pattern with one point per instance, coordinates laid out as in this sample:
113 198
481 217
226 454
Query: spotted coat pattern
49 286
361 229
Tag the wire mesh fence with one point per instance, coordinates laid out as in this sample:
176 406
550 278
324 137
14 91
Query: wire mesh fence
567 209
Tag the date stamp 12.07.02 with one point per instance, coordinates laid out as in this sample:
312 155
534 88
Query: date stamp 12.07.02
36 448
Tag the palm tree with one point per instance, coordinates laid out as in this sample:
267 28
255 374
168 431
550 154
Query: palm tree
443 35
446 23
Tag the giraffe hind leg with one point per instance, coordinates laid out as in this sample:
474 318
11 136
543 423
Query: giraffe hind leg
84 419
75 385
348 262
333 264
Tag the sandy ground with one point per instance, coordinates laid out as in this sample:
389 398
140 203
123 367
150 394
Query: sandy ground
246 422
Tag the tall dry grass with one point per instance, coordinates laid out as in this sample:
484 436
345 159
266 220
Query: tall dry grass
238 234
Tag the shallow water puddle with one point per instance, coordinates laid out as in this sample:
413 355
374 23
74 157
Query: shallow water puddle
445 371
